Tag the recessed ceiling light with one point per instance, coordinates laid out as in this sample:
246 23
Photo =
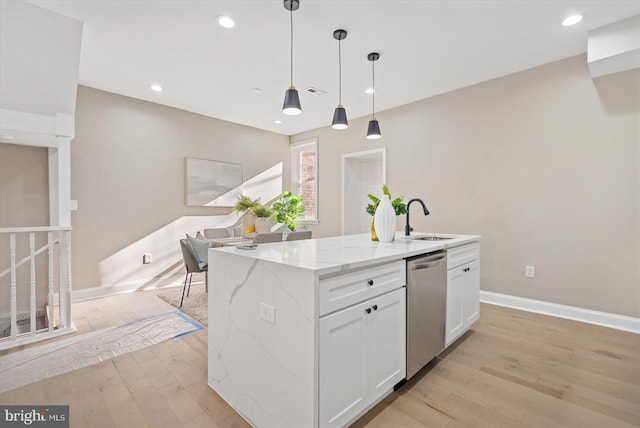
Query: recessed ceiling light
156 88
277 122
369 91
226 21
572 20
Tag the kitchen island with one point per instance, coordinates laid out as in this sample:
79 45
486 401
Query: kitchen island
310 333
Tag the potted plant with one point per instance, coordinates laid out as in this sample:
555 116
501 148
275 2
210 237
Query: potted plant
288 208
245 206
398 206
262 215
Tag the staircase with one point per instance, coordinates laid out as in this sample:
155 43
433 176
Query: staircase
40 56
31 302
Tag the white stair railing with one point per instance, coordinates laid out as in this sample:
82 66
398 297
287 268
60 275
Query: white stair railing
58 247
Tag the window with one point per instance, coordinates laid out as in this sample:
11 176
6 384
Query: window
304 176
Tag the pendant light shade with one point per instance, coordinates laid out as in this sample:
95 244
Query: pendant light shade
340 114
339 118
291 104
373 132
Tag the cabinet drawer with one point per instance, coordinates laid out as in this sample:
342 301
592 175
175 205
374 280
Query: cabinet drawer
340 291
458 256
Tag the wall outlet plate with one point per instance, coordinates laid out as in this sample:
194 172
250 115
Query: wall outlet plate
530 271
268 313
146 259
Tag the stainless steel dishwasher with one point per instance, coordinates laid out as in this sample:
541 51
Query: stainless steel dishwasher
426 308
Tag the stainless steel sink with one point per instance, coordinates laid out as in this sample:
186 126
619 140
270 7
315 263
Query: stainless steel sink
432 238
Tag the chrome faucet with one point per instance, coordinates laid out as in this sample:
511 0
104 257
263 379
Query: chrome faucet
408 228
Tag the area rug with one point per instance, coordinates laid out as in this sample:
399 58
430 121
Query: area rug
41 362
194 305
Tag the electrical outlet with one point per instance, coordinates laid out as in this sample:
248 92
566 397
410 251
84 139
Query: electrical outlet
146 259
268 313
530 271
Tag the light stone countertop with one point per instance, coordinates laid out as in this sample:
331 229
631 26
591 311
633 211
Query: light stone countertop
334 254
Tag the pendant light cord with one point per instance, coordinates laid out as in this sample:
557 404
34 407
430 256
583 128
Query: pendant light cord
373 74
339 72
291 10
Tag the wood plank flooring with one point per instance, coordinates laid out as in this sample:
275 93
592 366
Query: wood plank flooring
518 369
514 369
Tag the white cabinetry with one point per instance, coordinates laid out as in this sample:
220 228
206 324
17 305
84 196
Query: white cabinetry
362 346
463 290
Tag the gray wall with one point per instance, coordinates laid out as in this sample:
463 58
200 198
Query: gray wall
127 173
24 186
544 164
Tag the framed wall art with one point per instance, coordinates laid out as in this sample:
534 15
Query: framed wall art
211 183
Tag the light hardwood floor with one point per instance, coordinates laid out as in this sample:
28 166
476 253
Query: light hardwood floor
513 369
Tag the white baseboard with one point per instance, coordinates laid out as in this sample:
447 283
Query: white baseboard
605 319
127 287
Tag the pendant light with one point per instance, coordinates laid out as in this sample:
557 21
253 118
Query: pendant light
373 133
340 114
291 104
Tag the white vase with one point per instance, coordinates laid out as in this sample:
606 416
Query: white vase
262 225
384 220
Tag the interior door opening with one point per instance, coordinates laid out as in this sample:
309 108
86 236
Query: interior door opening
362 173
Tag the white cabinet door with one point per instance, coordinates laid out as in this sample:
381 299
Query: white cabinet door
471 293
386 336
362 356
343 375
455 316
463 299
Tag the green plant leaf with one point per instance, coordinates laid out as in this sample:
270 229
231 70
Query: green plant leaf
398 203
245 203
288 208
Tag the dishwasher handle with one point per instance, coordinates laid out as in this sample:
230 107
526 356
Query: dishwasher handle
423 266
428 262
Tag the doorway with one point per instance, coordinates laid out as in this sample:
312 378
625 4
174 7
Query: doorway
362 173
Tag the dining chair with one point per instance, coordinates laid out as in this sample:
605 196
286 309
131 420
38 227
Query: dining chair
262 238
296 236
217 232
191 265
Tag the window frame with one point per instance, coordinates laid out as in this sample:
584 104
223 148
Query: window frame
295 176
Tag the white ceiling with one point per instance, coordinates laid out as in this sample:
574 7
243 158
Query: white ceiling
427 48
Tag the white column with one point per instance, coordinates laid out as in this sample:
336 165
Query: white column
60 215
65 279
60 183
